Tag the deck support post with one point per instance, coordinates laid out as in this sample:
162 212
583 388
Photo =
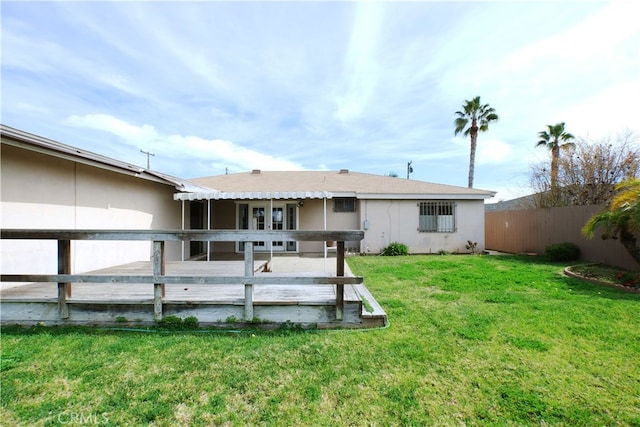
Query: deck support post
64 267
340 288
158 279
248 287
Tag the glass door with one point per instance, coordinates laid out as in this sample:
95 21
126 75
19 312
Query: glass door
253 216
259 223
291 220
277 224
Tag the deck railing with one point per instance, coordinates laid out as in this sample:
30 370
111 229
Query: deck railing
159 278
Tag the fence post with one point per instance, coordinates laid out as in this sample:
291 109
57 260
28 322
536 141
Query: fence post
158 279
64 267
248 287
340 287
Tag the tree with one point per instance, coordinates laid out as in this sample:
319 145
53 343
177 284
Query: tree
589 172
621 219
474 117
552 140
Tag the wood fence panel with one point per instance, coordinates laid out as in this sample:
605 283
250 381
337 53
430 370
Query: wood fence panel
532 230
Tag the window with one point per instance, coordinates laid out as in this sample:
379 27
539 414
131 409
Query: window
437 217
344 204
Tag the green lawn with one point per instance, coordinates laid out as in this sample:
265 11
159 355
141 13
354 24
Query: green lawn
473 340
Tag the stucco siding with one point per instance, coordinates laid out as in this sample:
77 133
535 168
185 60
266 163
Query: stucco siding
41 191
397 221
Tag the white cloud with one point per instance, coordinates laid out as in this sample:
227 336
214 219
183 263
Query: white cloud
217 151
611 110
592 39
492 151
360 68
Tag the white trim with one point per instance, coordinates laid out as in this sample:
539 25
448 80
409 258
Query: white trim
423 196
253 195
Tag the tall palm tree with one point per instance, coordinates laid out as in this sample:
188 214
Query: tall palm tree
474 117
554 139
621 219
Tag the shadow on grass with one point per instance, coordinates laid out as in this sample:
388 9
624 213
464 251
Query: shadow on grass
575 284
597 290
285 330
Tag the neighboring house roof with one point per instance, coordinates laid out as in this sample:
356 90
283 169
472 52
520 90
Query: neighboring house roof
524 202
344 183
28 141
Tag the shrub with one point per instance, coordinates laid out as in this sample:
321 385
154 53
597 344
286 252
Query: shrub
472 246
395 249
170 322
563 252
628 278
191 322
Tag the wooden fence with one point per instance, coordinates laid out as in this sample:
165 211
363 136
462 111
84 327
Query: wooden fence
532 230
64 278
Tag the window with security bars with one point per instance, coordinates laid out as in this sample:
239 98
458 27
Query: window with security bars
437 217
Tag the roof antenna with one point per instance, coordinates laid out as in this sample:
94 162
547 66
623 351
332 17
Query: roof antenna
148 154
409 168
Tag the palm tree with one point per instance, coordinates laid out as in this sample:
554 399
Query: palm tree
480 115
552 139
621 219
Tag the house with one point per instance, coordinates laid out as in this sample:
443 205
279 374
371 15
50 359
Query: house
46 184
71 195
427 217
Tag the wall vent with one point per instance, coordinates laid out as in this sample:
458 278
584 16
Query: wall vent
344 170
255 172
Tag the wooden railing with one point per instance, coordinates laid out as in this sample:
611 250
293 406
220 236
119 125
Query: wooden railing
64 278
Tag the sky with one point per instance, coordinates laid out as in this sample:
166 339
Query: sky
215 87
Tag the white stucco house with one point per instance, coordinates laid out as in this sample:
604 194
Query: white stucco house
47 184
427 217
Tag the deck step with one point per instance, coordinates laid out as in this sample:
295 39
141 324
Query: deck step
378 311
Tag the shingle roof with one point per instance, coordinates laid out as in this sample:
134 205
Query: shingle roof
29 141
338 183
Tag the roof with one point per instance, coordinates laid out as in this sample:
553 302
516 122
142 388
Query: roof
28 141
524 202
344 183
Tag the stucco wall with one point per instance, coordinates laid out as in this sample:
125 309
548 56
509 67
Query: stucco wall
397 221
312 218
41 191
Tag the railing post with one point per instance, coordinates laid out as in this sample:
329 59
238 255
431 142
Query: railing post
248 287
158 273
64 267
340 288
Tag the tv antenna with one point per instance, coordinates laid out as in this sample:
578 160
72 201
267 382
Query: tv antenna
148 155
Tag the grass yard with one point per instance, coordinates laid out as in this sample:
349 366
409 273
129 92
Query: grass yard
473 340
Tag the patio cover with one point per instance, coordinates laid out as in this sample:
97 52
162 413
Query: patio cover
257 195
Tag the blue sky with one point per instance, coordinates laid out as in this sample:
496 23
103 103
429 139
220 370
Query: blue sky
215 86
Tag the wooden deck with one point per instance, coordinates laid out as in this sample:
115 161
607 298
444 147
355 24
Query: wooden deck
212 304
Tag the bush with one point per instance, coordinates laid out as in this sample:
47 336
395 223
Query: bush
563 252
191 322
395 249
176 323
170 322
